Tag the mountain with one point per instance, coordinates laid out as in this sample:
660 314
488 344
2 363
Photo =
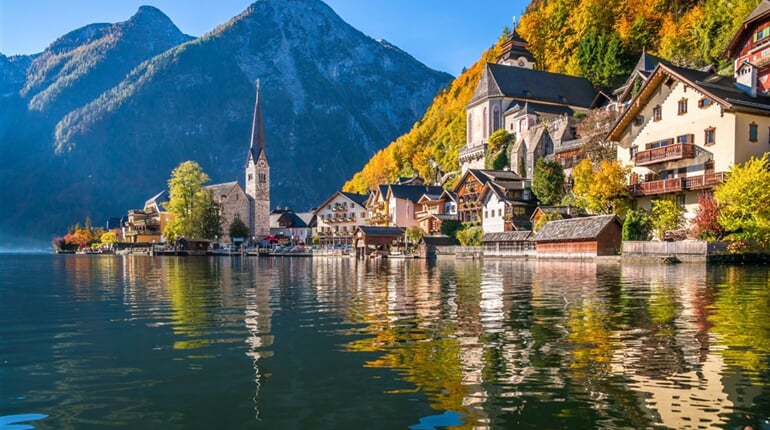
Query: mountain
92 144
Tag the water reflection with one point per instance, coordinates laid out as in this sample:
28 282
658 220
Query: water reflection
275 343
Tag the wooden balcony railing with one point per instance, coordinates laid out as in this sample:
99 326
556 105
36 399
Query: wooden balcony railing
665 186
678 151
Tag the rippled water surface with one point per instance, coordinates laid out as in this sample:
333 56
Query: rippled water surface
95 342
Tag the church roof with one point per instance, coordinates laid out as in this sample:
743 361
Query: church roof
499 80
222 189
257 143
514 47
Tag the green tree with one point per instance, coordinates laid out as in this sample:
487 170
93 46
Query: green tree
238 228
450 228
666 215
636 226
498 145
743 199
470 236
548 181
207 218
196 212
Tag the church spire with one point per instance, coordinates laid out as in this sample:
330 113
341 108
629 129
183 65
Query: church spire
257 145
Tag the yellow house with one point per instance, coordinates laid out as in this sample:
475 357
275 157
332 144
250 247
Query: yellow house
684 130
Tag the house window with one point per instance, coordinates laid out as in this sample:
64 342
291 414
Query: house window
682 107
685 138
633 150
262 178
656 113
484 133
638 120
704 102
710 136
518 211
753 131
680 200
499 212
761 34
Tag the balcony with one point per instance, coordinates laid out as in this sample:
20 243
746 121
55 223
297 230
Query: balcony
679 151
677 185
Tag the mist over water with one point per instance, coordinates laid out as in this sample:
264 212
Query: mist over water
167 342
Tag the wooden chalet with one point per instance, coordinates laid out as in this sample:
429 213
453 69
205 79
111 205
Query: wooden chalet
580 237
370 239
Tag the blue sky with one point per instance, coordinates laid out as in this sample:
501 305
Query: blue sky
444 34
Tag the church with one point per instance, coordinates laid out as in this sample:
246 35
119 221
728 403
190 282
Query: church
258 176
538 107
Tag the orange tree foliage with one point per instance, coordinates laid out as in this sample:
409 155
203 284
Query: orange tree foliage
687 32
439 136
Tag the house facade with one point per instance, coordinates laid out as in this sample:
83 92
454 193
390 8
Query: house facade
403 203
435 210
339 216
146 225
493 196
683 132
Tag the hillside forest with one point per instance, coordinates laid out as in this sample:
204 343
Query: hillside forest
600 40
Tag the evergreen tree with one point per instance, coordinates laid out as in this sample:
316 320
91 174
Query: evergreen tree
548 181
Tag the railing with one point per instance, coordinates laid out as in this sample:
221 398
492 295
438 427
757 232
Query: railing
706 181
664 186
673 152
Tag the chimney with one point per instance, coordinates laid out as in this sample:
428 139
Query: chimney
746 78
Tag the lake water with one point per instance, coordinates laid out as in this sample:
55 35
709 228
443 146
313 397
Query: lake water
99 342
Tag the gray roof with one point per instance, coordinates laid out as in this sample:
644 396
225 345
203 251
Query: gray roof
508 236
585 228
414 192
359 199
159 199
372 231
308 218
723 88
499 80
221 189
439 241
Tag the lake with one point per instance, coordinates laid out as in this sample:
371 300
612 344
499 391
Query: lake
96 342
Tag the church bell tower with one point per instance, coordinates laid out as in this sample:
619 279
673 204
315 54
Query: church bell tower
258 176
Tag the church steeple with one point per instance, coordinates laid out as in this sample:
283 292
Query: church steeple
257 146
258 175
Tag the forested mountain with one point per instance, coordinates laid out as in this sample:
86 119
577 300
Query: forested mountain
600 40
89 142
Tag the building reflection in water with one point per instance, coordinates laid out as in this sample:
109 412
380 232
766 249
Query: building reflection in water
258 318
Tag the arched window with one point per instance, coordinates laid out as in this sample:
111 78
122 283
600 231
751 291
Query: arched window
484 133
496 118
470 127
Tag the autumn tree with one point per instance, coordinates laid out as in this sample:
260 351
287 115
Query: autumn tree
197 213
548 181
665 215
706 221
593 129
602 190
743 200
545 218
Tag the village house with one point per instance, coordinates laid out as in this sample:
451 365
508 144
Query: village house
146 225
338 217
402 202
434 210
499 198
291 228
